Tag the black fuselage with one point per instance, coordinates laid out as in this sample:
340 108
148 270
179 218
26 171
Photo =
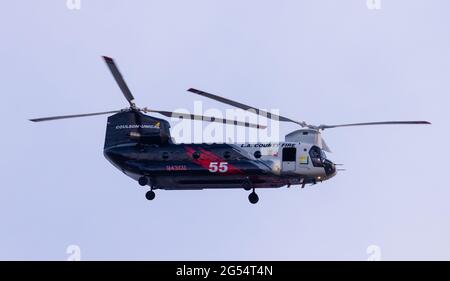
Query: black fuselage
140 145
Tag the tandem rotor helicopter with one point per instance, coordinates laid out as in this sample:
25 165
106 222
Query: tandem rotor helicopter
141 147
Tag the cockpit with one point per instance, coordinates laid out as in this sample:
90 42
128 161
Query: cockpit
317 156
319 159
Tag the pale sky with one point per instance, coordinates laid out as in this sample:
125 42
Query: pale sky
319 61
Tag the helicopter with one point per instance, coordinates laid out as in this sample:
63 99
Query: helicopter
142 148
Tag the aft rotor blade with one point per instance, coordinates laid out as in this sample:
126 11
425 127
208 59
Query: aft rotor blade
72 116
375 123
248 107
119 79
205 118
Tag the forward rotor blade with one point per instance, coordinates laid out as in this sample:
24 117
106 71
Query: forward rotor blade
205 118
71 116
119 79
248 107
323 127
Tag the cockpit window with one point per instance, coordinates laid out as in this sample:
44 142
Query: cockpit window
317 156
314 152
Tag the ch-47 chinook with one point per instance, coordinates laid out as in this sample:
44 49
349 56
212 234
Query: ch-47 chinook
141 147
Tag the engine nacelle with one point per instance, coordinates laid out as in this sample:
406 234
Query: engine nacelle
136 127
155 138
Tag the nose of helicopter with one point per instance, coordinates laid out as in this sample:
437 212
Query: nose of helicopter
330 168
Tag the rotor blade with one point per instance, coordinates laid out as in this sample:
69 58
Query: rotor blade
119 79
205 118
248 107
71 116
323 127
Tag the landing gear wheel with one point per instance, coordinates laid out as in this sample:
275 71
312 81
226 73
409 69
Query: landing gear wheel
253 197
143 181
150 195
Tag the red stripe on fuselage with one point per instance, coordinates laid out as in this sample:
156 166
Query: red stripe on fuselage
206 157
